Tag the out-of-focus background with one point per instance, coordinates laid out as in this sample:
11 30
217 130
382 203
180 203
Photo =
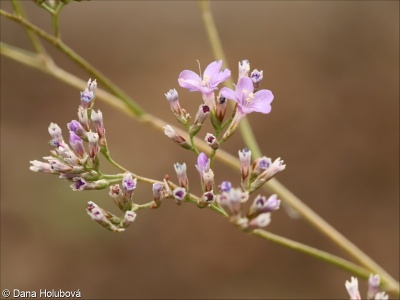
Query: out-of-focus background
333 67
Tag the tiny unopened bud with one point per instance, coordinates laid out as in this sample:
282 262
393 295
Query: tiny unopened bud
231 201
256 76
221 108
203 163
76 127
55 133
179 194
260 221
97 119
180 170
99 215
244 68
129 218
262 205
269 171
208 180
352 289
174 136
225 186
207 199
118 197
212 141
76 144
173 99
88 94
80 184
83 117
158 193
245 159
38 166
128 185
373 285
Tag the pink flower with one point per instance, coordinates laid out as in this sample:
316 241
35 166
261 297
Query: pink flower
211 78
248 101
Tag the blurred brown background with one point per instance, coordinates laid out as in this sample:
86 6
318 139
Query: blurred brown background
333 67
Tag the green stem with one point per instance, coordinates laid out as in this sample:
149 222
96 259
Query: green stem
102 79
19 11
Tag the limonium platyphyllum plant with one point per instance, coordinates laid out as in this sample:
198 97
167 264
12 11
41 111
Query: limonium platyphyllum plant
248 203
81 166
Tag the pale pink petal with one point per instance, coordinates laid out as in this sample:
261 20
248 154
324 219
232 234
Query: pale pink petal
212 69
190 80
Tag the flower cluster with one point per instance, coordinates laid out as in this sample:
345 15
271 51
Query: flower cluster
373 289
247 98
79 160
73 162
80 165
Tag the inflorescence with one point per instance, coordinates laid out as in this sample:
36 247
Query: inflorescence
79 161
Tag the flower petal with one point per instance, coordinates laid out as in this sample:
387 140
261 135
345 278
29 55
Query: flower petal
220 77
190 80
228 94
262 101
212 69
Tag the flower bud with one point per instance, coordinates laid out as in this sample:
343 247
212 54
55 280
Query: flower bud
55 133
76 144
262 205
129 218
373 285
207 199
180 170
245 158
179 194
99 215
256 77
158 193
76 127
128 185
174 136
260 221
212 141
221 108
244 68
97 119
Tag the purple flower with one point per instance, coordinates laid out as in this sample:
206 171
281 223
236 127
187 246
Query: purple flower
248 101
211 78
203 164
128 184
